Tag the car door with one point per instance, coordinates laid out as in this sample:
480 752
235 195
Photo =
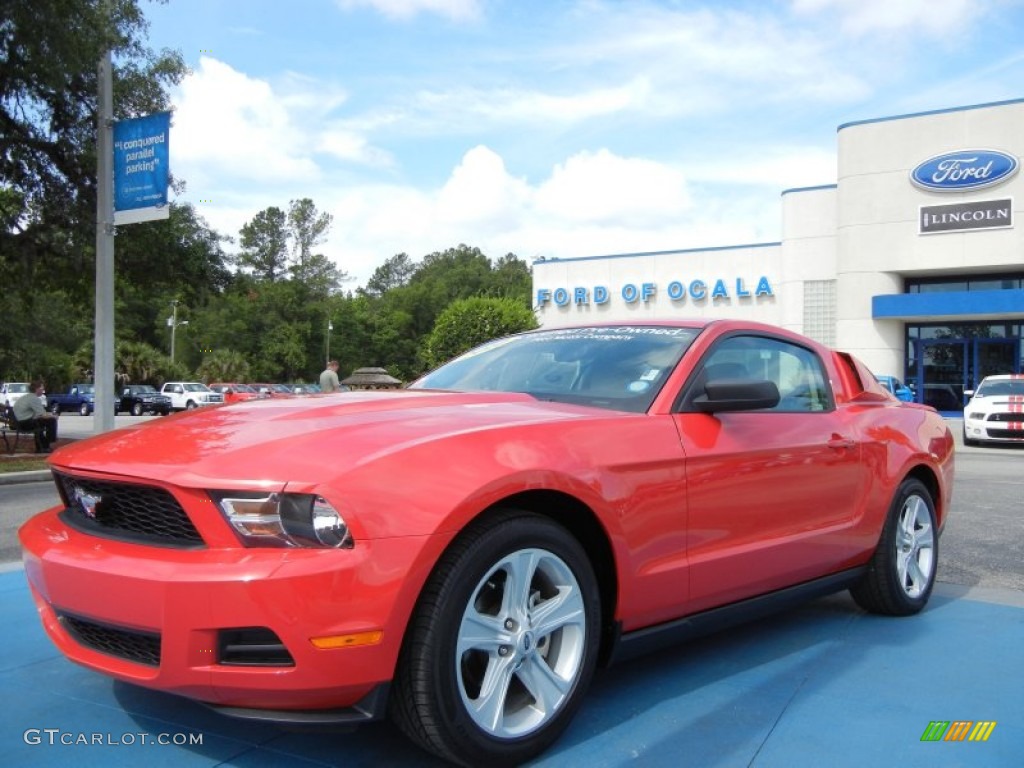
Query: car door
770 492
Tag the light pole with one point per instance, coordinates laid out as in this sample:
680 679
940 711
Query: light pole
330 327
173 322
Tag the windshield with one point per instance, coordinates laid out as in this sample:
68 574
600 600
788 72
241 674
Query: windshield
1001 387
621 368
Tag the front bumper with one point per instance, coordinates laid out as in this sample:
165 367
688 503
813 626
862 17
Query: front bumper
183 602
997 427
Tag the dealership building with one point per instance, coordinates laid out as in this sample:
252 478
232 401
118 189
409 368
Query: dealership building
911 261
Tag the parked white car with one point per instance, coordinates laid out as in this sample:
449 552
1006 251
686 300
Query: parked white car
10 391
995 411
186 395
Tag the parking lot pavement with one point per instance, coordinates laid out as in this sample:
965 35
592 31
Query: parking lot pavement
825 684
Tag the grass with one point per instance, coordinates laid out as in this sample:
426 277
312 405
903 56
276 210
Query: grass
21 463
23 460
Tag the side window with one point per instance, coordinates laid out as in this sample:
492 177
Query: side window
795 370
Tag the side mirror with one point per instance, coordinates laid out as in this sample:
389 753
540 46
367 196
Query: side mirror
737 395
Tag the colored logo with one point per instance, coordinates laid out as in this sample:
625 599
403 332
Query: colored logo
958 730
964 169
87 502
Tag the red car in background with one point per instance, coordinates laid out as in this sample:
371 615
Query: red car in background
236 393
462 554
273 390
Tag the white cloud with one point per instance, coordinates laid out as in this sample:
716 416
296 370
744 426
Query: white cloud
938 18
456 10
773 167
227 122
480 193
510 105
603 188
592 203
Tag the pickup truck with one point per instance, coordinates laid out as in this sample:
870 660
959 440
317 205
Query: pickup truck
138 399
79 397
186 395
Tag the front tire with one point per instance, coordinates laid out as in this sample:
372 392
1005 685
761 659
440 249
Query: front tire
191 405
137 409
55 409
84 409
502 644
901 573
968 441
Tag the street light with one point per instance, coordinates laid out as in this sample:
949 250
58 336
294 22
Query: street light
172 321
330 327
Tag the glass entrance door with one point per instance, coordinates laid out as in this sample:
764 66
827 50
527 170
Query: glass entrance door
993 356
942 373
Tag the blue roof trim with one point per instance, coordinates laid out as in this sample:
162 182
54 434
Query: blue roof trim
545 259
931 112
948 304
810 189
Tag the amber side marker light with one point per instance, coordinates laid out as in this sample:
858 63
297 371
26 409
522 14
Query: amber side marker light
347 641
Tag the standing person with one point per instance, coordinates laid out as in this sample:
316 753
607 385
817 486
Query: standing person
329 378
30 413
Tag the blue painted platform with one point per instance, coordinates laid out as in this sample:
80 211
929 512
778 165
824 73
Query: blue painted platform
822 685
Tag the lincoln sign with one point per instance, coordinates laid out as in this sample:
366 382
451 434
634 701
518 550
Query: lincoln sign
957 217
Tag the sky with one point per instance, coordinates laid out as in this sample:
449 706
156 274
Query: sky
552 128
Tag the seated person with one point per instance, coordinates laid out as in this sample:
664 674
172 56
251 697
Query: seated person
30 414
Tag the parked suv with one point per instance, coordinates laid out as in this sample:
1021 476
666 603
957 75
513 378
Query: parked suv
10 391
186 395
138 399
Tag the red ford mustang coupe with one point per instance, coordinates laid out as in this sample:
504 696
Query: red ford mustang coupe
461 555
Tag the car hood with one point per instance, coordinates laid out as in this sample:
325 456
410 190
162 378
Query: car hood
991 403
266 443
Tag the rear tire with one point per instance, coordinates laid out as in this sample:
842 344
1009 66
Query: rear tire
55 409
901 573
502 644
84 409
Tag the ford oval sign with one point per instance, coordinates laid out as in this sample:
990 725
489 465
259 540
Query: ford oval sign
964 169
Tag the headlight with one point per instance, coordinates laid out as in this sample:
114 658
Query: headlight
283 519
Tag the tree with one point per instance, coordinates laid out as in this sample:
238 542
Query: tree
393 273
307 229
48 93
49 56
223 365
469 322
264 242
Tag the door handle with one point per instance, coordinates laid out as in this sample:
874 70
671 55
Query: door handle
839 442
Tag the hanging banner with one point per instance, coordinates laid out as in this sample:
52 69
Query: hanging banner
141 168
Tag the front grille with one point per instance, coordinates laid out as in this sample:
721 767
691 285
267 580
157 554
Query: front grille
1007 417
140 647
125 511
1006 434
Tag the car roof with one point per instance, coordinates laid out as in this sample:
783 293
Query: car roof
1003 377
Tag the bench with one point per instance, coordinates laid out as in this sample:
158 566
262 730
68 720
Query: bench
11 432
